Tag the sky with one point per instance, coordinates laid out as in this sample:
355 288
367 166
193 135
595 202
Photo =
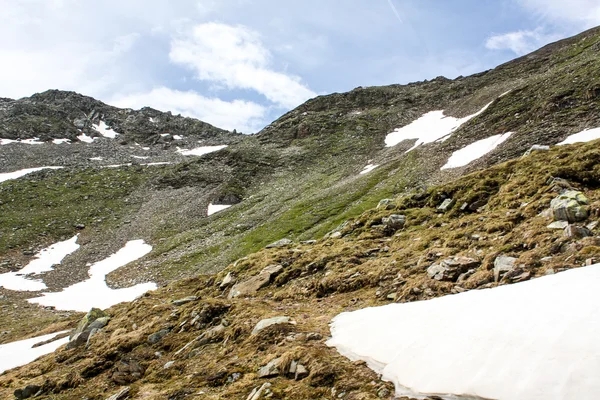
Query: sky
240 64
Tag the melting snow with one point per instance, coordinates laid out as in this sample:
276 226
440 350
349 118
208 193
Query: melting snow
153 120
94 292
368 168
583 136
215 208
23 141
20 353
475 150
177 137
85 138
165 134
432 126
17 174
43 262
140 157
200 151
96 159
158 163
516 341
104 130
61 141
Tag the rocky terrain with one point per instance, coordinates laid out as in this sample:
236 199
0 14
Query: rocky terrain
405 230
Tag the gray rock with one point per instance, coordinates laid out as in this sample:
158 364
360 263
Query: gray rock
536 147
27 392
94 320
301 372
309 242
503 265
158 336
257 393
185 300
451 268
558 225
577 232
121 394
168 364
394 222
446 205
254 284
279 243
228 280
271 369
271 321
592 225
386 204
335 235
570 206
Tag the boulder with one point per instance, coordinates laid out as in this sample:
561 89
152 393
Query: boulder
27 392
503 265
279 243
446 205
121 394
254 284
158 336
577 232
228 280
271 369
93 321
271 321
185 300
536 147
394 222
451 268
386 204
570 206
558 225
258 392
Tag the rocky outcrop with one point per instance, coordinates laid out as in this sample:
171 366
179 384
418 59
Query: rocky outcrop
254 284
451 268
570 206
93 321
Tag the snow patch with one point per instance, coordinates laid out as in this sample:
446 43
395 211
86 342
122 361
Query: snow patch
20 353
140 157
511 342
22 141
61 141
215 208
94 292
475 150
177 137
85 138
431 127
584 136
200 151
22 172
43 262
104 130
165 134
158 163
96 159
368 168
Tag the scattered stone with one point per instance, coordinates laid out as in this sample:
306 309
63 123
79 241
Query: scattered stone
464 206
27 392
577 232
158 336
592 225
185 300
451 268
93 321
121 394
308 242
271 369
271 321
279 243
386 204
503 265
127 371
536 147
228 280
446 205
590 261
80 226
301 372
314 336
254 284
168 364
394 222
569 206
257 393
558 225
335 235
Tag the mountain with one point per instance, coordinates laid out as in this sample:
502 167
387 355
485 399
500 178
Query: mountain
317 177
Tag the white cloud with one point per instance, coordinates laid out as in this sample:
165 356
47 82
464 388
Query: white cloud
234 56
584 13
245 116
520 42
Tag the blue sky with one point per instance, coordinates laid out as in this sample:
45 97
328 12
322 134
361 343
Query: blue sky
239 64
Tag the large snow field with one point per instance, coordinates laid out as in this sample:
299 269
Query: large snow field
94 292
475 150
531 340
19 353
583 136
22 172
43 262
429 128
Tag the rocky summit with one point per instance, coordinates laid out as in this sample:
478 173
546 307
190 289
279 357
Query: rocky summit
227 255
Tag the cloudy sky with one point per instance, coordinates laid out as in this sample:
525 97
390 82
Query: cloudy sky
239 64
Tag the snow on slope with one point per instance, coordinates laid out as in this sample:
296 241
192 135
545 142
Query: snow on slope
24 141
200 151
22 172
432 126
475 150
94 292
85 138
19 353
531 340
368 168
104 130
583 136
215 208
43 262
